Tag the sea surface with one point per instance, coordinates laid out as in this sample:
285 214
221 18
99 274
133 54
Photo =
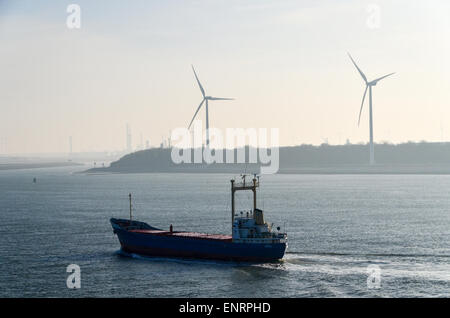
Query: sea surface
343 231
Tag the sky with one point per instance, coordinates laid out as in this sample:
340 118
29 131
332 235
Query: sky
284 62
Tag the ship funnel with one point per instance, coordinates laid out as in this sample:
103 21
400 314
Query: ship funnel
258 216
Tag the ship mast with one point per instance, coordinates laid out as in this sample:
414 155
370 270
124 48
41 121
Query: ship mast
129 196
243 186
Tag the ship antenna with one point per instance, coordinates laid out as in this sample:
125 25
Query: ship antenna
129 196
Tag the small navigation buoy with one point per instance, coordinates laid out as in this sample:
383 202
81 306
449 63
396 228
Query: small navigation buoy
171 228
34 180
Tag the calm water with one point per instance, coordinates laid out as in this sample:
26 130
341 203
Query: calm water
337 226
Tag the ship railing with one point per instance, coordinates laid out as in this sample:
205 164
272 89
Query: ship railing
247 184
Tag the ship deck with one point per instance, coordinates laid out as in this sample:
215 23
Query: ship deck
193 235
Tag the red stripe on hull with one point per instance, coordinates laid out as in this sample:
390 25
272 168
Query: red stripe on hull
194 235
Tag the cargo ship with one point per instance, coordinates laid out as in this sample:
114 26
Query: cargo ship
252 239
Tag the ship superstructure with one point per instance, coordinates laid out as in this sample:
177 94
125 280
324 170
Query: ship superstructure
249 226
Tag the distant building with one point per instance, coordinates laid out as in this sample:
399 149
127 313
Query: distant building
129 148
3 143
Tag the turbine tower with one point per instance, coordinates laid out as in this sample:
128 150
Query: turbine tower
369 86
205 100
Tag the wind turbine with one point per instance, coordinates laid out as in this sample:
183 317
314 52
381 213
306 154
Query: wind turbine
205 100
369 86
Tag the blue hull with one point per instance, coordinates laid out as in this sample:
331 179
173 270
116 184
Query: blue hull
192 247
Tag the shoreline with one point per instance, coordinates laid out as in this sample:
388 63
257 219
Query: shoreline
398 169
22 166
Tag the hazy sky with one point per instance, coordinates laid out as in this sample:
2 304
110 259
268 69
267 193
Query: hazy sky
285 63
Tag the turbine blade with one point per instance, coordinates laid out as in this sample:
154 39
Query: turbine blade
199 106
219 98
199 85
380 78
360 72
362 104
